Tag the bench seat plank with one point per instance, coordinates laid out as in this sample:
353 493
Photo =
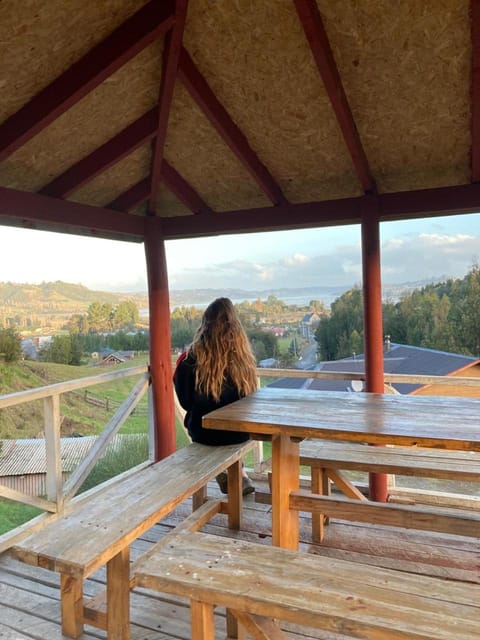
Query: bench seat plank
409 461
86 538
336 595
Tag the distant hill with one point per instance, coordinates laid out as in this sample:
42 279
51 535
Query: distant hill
50 304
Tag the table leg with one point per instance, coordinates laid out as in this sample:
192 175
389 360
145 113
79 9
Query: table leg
285 479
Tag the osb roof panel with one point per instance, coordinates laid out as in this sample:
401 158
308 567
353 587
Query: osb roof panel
39 40
267 80
405 69
406 75
122 98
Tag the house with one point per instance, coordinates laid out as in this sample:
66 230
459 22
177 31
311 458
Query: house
23 464
401 359
308 325
109 357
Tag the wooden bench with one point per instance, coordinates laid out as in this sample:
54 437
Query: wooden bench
327 459
99 530
259 583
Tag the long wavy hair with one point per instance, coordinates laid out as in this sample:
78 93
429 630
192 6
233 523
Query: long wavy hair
222 352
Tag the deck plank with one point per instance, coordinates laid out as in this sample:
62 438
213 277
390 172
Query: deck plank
30 598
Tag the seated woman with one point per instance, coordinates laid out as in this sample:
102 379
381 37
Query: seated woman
216 369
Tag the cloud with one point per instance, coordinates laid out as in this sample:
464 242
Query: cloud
407 258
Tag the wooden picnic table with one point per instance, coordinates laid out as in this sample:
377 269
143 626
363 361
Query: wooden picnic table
287 416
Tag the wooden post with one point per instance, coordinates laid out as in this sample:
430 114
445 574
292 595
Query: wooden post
373 327
160 353
51 409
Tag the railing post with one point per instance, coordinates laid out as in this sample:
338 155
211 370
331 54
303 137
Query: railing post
51 407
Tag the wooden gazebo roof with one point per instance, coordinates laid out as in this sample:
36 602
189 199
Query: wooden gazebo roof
236 115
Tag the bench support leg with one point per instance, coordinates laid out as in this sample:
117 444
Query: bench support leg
71 590
201 619
259 627
235 495
285 479
320 485
118 596
198 498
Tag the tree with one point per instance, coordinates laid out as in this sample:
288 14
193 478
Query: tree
125 315
341 334
10 345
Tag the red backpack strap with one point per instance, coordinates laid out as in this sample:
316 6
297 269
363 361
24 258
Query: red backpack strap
180 359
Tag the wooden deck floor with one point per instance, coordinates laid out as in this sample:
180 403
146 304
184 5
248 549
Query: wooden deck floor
29 597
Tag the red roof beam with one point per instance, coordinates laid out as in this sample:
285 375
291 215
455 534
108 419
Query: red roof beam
314 29
403 205
34 211
132 197
173 46
173 181
129 139
475 89
184 192
131 37
203 95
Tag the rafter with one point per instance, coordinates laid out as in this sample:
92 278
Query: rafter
182 189
475 89
205 98
132 197
129 139
173 46
131 37
314 29
173 181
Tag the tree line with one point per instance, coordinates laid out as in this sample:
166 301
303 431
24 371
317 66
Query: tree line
443 316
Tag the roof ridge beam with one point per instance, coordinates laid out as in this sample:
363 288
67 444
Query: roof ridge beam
125 42
316 35
171 57
230 133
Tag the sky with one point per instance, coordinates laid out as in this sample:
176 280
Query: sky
411 251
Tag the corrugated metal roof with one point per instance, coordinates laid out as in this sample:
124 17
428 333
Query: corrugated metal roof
24 457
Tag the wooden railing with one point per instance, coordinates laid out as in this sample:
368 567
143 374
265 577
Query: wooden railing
60 496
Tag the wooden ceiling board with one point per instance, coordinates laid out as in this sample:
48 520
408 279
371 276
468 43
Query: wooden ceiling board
105 111
405 68
118 178
39 40
267 80
199 154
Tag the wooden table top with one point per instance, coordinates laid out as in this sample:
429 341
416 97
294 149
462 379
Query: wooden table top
429 421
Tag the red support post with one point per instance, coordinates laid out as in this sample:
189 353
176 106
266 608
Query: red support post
373 327
160 353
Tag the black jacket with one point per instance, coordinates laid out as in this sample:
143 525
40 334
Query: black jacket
197 405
